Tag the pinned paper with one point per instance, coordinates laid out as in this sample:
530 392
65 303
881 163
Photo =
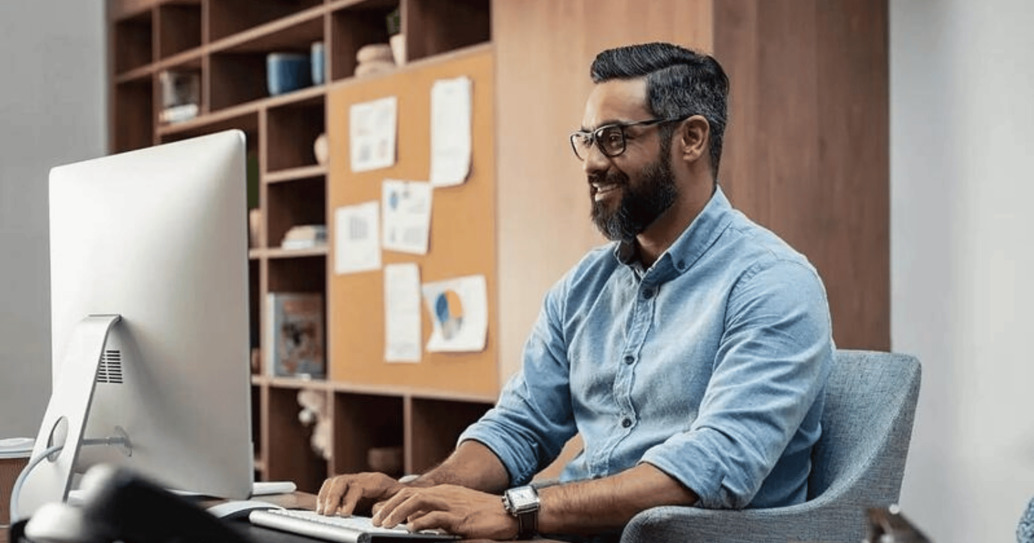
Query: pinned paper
459 312
372 131
356 241
450 131
402 326
406 209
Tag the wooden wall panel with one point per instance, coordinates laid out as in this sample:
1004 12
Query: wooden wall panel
543 52
806 152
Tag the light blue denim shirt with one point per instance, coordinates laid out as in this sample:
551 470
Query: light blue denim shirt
709 365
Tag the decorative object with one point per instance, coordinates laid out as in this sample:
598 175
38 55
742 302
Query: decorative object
374 58
254 227
314 413
317 59
286 72
321 148
397 39
398 48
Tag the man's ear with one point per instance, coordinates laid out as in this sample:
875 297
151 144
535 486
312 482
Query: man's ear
694 135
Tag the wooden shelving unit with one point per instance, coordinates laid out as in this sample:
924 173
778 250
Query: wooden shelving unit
227 41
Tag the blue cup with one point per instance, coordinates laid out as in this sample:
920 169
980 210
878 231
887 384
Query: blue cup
286 72
317 59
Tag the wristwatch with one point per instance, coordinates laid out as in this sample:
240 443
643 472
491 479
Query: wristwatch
523 503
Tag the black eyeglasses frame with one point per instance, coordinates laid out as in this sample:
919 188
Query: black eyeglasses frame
595 135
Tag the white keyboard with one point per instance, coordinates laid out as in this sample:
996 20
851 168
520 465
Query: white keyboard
332 528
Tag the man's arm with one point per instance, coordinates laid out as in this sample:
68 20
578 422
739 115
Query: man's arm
583 507
471 465
608 503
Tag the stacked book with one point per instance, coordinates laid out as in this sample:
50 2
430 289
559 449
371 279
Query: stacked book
305 236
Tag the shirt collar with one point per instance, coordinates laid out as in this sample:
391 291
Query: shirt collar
691 244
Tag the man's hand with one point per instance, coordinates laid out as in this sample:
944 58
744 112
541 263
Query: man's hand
344 493
455 509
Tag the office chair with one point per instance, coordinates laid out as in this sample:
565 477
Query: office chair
856 464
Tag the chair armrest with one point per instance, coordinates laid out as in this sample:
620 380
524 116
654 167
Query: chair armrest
816 520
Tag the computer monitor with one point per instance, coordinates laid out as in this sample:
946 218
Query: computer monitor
149 264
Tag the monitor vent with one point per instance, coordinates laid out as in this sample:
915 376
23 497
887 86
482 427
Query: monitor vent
110 369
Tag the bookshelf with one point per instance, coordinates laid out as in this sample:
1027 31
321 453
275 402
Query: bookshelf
825 90
226 42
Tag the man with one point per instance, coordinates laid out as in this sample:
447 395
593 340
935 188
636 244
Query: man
690 355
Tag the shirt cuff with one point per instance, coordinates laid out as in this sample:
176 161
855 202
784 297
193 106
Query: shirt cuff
691 459
519 457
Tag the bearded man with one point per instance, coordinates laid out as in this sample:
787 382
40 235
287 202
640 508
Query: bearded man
690 354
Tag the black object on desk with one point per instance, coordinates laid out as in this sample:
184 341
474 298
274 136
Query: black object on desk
122 506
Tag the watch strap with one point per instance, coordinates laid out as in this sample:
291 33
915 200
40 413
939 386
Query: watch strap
528 524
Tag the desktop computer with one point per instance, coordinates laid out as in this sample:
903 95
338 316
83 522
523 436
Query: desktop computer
149 303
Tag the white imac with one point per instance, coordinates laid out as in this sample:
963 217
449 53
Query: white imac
150 337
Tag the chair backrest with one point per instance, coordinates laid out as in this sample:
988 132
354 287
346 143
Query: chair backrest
866 427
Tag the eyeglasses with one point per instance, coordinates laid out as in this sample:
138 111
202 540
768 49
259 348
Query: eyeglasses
609 138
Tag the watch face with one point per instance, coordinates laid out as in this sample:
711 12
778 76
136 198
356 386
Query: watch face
522 497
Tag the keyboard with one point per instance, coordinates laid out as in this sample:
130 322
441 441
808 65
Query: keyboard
341 529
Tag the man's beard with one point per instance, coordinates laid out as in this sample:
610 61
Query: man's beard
639 206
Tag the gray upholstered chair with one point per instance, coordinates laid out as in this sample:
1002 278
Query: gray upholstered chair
857 464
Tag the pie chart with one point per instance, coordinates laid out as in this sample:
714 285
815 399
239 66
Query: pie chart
448 310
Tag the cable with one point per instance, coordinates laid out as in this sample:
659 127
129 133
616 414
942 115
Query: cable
25 475
20 481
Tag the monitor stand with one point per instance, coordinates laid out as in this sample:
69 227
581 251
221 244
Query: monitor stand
66 415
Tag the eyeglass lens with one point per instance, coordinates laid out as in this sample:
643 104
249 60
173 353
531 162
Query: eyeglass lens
610 139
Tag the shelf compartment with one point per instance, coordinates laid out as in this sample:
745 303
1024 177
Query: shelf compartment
230 17
179 27
236 78
304 274
290 455
434 426
352 27
293 204
134 42
238 64
292 131
440 26
294 33
134 116
362 422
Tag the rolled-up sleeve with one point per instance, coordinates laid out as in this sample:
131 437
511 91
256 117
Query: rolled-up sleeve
529 425
772 363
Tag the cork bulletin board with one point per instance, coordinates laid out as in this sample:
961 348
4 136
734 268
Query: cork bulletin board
462 233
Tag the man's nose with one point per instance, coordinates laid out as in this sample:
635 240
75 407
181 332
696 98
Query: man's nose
595 161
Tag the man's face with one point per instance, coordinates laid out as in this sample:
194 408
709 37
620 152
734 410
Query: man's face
631 190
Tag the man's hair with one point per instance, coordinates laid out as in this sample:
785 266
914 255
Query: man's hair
679 83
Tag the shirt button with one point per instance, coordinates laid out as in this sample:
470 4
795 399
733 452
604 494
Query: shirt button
626 422
648 293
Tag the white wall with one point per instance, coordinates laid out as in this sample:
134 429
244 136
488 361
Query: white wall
53 110
962 258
